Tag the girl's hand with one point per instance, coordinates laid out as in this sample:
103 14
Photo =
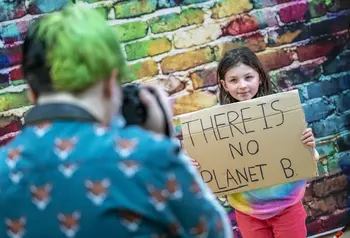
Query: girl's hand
195 163
308 138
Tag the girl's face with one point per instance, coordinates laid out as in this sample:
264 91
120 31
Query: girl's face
241 82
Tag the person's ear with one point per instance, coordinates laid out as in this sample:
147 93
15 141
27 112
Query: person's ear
31 95
109 85
223 84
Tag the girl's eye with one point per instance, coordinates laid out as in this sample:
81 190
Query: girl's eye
249 77
233 80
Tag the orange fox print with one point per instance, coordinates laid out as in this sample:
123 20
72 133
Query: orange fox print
100 129
219 226
69 223
175 229
42 128
157 137
200 230
64 147
157 197
13 156
41 195
16 176
97 190
16 228
130 220
68 169
125 147
195 189
128 167
173 187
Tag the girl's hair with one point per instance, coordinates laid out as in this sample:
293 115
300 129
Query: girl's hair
245 56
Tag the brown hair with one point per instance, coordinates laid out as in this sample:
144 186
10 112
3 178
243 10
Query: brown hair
245 56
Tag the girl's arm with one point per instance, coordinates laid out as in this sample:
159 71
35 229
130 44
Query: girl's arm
308 139
316 154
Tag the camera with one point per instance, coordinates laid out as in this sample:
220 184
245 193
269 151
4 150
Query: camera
133 110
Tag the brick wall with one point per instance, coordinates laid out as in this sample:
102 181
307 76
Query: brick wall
178 43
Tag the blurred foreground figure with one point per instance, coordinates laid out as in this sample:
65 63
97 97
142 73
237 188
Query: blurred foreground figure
73 173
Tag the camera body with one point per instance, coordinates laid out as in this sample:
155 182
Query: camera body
133 110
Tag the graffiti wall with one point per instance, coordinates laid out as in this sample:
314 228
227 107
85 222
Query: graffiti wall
177 43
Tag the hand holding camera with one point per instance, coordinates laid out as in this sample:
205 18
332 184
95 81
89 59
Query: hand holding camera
147 106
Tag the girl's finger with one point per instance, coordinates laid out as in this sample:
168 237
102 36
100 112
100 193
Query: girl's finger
307 130
311 144
196 164
309 139
309 134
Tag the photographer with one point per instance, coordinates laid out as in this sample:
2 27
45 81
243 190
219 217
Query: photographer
72 171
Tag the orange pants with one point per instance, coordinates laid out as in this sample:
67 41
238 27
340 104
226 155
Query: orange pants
290 223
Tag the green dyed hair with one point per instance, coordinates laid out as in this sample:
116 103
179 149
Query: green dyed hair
81 48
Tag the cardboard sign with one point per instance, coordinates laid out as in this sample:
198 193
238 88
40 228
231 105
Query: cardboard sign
249 145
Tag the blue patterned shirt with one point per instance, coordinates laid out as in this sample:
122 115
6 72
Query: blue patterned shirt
78 179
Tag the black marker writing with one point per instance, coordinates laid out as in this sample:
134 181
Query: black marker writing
286 166
208 128
252 147
244 119
278 110
264 115
189 129
230 121
218 125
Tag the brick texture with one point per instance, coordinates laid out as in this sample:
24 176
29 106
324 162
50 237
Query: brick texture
294 12
134 8
144 69
131 31
186 60
10 56
12 10
189 38
300 75
14 32
275 59
303 44
316 50
13 100
204 78
242 24
227 8
289 34
146 48
317 8
175 21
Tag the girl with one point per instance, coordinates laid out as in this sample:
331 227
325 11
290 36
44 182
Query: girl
275 211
